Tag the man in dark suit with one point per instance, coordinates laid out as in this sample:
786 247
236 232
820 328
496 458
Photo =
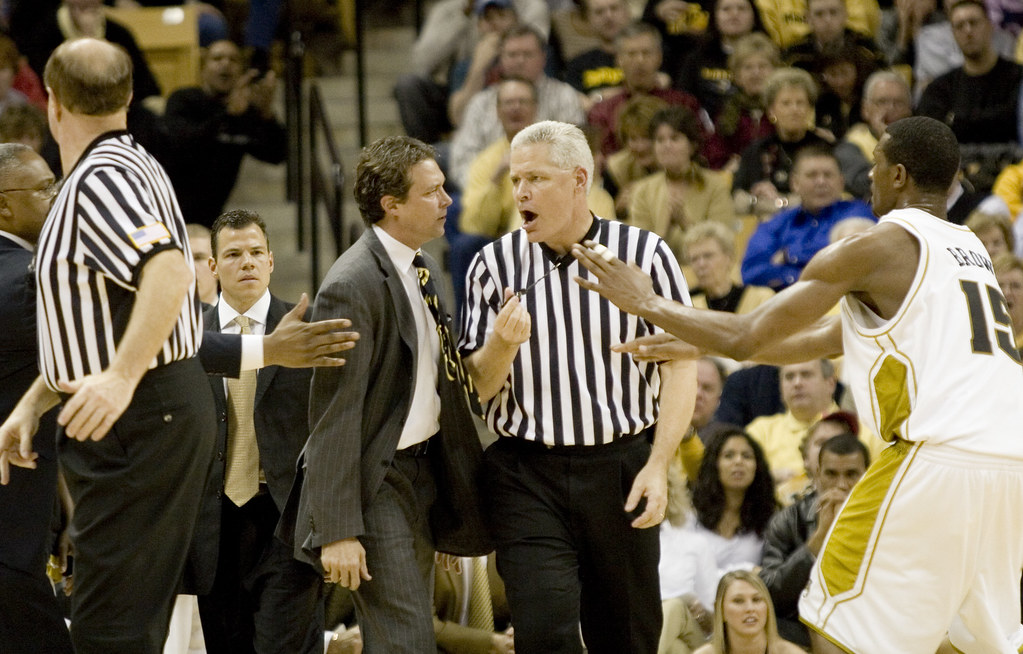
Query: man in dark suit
260 598
375 479
30 616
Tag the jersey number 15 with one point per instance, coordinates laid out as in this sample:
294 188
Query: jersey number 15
999 314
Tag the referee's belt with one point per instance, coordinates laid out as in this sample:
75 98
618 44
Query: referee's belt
619 443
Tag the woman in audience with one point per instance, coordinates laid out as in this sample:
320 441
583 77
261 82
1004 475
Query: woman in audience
994 231
687 572
744 621
683 193
710 250
762 181
743 118
704 72
1009 273
636 158
733 499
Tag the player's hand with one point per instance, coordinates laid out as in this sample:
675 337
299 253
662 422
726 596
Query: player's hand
513 324
300 344
344 562
658 348
16 442
651 483
97 401
626 286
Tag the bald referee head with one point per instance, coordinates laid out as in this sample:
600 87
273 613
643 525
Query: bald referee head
89 84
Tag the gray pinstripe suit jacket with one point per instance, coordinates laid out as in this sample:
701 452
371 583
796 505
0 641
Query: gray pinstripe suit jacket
357 411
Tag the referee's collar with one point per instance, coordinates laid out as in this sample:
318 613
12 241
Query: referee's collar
114 133
560 259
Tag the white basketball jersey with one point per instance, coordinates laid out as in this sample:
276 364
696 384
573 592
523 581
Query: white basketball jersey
944 369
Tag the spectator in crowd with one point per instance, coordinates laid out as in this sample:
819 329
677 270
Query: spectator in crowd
843 73
638 53
796 533
994 230
1009 187
807 391
595 73
780 248
469 77
470 607
522 55
924 40
9 63
488 208
683 194
830 34
829 425
785 20
704 72
84 18
743 118
453 34
687 572
744 618
763 178
1009 273
710 380
206 284
25 124
710 250
636 158
215 125
734 499
680 24
979 99
886 98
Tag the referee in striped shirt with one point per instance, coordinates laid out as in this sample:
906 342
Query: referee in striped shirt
119 327
578 475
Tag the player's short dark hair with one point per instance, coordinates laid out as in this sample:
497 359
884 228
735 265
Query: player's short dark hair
385 168
926 148
235 219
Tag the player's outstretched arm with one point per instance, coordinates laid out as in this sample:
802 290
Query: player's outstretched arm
835 271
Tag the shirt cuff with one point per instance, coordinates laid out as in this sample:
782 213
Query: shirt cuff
252 352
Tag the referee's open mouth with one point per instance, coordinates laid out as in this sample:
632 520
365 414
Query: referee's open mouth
527 216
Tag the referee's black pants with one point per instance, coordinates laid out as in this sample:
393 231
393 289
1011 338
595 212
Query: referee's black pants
565 548
137 494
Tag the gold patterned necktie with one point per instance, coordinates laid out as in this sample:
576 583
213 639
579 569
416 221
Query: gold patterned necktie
241 482
451 360
481 608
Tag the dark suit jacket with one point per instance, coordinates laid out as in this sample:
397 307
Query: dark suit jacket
26 504
357 413
281 421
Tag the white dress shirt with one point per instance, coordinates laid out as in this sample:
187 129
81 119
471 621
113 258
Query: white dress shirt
423 419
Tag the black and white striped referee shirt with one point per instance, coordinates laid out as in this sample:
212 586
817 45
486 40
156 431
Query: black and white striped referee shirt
566 386
115 209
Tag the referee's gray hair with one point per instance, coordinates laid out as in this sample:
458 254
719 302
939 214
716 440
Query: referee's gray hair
569 148
11 157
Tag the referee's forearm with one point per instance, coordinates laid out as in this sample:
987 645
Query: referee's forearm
163 284
490 366
676 402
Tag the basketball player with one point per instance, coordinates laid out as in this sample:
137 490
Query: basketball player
929 540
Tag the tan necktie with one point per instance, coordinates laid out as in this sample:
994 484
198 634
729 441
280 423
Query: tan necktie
481 607
241 483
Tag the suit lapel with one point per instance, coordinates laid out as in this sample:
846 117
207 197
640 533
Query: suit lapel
399 298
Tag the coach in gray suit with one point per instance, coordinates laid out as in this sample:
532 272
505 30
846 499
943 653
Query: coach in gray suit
391 461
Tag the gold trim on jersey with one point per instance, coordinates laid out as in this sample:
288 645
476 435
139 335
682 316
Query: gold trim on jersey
891 394
816 629
844 562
